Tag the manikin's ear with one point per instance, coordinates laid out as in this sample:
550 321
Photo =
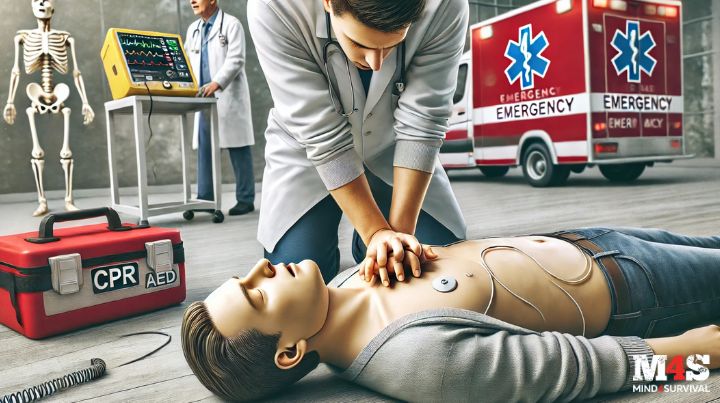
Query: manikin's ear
288 357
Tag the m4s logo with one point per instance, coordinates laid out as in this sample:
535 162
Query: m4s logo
658 368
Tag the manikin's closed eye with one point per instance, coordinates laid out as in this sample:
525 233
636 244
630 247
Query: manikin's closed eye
258 297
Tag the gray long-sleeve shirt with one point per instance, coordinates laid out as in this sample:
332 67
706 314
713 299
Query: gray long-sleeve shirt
460 355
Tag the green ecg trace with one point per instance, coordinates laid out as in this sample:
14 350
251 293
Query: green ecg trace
141 44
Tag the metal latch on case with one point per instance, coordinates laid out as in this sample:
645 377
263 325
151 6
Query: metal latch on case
159 255
66 273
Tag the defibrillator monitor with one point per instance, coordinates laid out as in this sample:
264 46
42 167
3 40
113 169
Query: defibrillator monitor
141 62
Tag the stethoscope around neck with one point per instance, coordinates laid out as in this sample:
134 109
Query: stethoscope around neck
398 87
196 37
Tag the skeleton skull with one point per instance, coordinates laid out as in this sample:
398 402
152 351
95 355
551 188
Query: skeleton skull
43 9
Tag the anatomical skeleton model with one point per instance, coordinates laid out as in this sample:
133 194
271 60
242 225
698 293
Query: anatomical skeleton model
46 50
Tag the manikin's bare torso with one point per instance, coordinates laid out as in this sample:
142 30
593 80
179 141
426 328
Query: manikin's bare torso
515 270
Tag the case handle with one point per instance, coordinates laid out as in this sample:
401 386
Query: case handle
45 233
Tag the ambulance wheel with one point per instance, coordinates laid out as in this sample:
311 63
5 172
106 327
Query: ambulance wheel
622 172
188 215
494 172
218 217
539 170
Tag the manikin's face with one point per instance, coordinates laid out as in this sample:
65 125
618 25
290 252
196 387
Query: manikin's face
43 9
365 47
202 7
287 299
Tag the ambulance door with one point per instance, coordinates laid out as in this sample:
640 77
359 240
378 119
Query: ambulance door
621 68
458 148
637 41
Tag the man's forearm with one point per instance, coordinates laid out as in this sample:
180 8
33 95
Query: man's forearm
409 188
356 201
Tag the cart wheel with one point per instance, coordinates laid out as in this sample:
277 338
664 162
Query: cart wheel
539 169
218 217
188 215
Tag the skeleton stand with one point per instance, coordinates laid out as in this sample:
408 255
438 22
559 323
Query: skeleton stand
47 49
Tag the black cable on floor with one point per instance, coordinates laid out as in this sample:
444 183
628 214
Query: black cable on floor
95 370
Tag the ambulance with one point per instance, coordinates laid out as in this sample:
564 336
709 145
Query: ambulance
561 85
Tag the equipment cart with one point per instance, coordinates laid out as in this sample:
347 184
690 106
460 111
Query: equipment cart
183 107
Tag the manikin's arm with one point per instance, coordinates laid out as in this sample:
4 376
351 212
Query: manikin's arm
9 113
702 340
455 358
87 112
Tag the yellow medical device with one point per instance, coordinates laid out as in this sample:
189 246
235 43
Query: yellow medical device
142 62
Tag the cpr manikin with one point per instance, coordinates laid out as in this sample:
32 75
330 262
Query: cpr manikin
498 319
47 50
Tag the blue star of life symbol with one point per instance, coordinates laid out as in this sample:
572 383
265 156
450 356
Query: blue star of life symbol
633 52
527 58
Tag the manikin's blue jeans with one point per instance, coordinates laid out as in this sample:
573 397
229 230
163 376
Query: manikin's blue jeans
315 235
241 158
673 280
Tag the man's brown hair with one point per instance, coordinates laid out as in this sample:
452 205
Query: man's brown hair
239 368
382 15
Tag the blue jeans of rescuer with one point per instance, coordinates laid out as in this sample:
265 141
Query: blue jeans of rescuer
315 235
673 280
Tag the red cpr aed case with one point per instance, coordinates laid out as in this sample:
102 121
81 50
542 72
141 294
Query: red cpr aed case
60 280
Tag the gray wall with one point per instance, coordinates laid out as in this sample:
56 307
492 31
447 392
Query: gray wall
88 21
700 55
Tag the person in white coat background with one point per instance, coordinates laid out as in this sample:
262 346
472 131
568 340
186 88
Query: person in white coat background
362 93
215 44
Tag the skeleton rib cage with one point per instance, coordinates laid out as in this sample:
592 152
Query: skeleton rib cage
45 51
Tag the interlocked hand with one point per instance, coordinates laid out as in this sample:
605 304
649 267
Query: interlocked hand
391 251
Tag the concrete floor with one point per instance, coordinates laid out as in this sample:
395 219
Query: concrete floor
679 197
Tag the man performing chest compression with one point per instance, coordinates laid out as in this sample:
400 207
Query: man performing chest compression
362 93
501 319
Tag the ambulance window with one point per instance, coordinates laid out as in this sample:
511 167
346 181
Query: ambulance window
460 88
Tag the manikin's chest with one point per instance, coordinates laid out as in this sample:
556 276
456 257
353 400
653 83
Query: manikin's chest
525 287
38 43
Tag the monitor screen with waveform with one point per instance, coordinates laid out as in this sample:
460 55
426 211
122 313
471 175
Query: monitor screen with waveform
154 58
146 63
